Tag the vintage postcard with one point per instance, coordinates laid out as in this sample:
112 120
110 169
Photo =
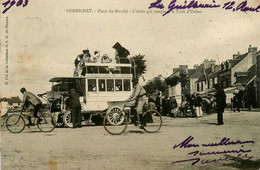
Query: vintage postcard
119 84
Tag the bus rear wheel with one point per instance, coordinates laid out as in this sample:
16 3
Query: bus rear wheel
67 119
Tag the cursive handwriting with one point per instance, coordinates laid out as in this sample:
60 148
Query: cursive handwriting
227 158
193 4
223 142
226 141
231 5
240 7
185 143
8 4
200 153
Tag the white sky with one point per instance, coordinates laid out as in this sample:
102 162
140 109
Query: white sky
44 40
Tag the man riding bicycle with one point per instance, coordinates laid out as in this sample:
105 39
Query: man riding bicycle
29 97
138 99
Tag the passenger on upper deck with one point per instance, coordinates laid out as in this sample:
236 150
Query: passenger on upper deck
87 59
80 57
106 59
96 57
80 63
121 53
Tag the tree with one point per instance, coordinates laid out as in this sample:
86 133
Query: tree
184 81
172 80
182 78
140 66
154 85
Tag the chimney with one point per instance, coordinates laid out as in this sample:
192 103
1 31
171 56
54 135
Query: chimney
212 68
184 68
195 66
236 55
252 49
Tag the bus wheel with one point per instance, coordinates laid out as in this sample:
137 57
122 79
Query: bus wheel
67 119
115 115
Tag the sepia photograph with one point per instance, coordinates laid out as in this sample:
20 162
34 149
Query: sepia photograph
154 84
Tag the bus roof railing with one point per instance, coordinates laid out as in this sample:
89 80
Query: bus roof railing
108 64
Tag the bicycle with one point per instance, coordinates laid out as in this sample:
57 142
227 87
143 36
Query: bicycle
116 120
15 123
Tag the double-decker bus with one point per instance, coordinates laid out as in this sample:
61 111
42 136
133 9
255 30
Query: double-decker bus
102 85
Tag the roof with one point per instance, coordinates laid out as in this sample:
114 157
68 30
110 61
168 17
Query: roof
239 58
214 74
191 71
176 70
204 75
241 73
250 73
202 78
198 72
66 79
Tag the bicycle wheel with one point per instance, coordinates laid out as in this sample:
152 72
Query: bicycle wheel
118 125
48 123
153 121
15 123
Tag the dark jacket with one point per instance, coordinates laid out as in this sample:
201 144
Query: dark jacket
74 100
122 52
220 99
77 60
198 101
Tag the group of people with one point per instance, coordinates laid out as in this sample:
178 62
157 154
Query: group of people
168 105
30 99
194 103
121 54
242 100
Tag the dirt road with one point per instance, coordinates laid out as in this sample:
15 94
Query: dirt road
92 148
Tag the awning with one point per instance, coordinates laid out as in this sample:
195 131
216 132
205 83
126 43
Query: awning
234 89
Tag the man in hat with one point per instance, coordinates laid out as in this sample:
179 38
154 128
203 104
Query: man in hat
80 57
138 99
29 97
121 53
221 103
75 108
80 69
198 105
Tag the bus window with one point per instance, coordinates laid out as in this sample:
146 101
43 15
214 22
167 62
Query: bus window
101 85
110 85
126 85
92 85
118 83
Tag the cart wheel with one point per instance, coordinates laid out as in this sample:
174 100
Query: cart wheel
67 119
113 112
